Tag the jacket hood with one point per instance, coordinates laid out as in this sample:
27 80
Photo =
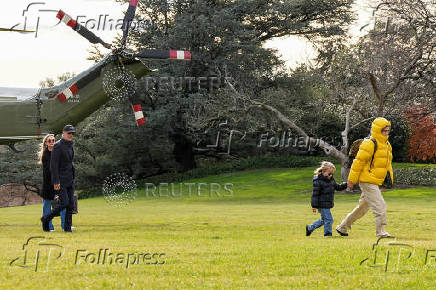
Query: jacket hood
322 177
377 126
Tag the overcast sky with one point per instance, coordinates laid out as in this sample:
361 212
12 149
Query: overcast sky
26 60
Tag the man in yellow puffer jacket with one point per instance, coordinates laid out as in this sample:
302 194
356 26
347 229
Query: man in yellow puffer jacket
370 176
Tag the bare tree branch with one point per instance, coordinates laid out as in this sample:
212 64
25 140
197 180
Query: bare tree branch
359 123
377 94
328 149
344 133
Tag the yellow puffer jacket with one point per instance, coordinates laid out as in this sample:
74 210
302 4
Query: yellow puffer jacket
360 170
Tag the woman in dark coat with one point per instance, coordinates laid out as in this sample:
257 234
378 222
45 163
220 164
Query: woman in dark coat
48 193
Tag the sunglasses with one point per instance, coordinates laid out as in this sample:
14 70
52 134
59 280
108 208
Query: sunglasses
71 133
51 141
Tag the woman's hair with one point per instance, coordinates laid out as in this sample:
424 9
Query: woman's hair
324 166
43 147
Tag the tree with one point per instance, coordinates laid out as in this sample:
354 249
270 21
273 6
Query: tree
401 59
49 82
422 143
23 167
400 54
226 40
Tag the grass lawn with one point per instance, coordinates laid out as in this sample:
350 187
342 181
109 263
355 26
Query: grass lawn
252 237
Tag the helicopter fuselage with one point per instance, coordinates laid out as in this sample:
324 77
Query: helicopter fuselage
35 116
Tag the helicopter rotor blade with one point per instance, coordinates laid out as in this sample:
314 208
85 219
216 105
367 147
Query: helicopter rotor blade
136 106
128 18
82 30
139 115
120 84
164 54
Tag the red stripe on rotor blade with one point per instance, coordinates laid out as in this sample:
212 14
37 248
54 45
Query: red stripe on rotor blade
62 97
187 54
173 54
140 122
72 23
74 89
133 2
136 108
60 14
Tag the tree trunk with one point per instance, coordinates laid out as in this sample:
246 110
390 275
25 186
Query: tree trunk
345 171
183 151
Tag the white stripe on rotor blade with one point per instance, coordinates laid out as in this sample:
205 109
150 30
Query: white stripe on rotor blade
180 54
139 115
66 19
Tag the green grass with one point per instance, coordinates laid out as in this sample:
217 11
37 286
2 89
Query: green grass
252 239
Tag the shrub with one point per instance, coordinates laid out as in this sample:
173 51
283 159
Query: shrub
415 176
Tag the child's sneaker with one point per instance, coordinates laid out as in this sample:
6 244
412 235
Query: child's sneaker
308 232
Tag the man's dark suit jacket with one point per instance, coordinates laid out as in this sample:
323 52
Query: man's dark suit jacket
61 164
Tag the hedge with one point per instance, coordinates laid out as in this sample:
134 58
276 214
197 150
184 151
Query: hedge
266 161
415 176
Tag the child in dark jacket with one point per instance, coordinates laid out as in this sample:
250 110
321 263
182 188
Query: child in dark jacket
324 186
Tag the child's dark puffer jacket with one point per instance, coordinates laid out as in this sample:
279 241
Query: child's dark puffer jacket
324 190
